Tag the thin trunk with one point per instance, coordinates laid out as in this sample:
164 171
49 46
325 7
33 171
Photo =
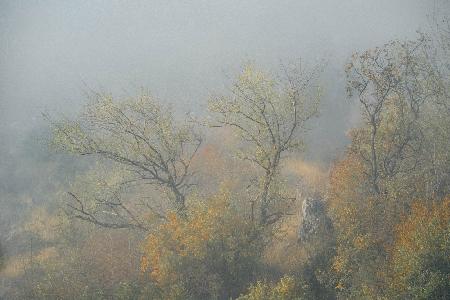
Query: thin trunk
266 187
180 203
374 157
264 198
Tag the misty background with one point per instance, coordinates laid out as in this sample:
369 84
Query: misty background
52 51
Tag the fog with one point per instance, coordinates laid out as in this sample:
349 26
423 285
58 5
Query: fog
52 52
180 50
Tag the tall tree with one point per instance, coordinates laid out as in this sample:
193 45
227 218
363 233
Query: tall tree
269 114
398 154
393 84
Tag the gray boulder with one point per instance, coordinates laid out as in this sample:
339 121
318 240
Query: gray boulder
314 220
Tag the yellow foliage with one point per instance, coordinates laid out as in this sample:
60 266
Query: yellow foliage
43 224
15 266
338 263
357 223
183 237
47 254
314 176
286 289
422 246
191 253
361 242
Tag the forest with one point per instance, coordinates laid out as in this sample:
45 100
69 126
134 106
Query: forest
240 198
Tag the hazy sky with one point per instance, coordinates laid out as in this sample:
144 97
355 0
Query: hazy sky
178 49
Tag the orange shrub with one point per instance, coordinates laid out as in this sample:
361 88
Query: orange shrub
214 253
420 258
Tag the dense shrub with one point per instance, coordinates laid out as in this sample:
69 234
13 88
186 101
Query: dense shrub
288 288
212 254
420 263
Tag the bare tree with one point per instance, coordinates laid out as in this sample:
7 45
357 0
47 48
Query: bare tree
141 137
269 114
393 84
438 53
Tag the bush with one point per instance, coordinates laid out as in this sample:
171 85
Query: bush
420 263
212 254
288 288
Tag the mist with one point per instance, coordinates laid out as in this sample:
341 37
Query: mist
52 53
179 50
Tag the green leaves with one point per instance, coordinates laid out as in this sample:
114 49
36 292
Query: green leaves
138 135
269 115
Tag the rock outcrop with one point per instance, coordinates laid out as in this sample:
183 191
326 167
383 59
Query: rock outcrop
314 220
